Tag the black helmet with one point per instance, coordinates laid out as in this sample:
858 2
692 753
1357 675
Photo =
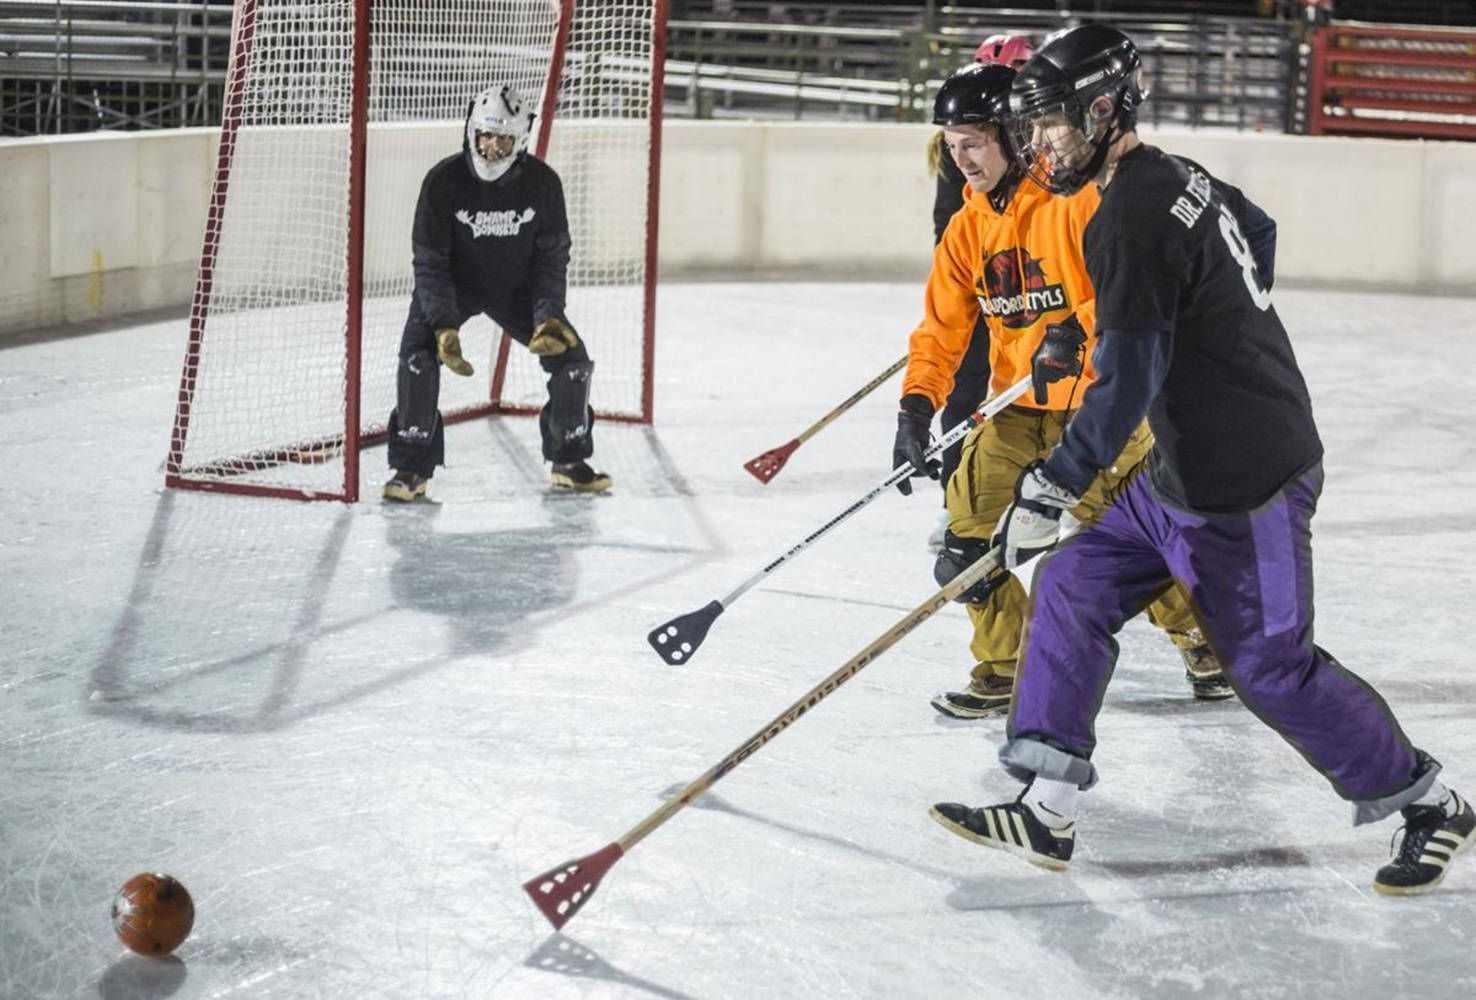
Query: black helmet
978 94
1068 74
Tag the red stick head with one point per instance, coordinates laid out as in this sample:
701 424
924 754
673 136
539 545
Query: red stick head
767 465
560 892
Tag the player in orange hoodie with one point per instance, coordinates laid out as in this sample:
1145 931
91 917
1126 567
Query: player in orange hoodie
971 380
1014 251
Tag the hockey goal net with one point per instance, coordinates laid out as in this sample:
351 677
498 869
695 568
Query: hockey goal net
335 110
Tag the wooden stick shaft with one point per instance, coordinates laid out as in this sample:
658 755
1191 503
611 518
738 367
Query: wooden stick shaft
991 406
981 568
855 398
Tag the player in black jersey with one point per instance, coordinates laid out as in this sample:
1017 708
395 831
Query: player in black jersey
1188 336
491 236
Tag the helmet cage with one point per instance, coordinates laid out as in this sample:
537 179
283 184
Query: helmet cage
499 113
1072 101
1061 143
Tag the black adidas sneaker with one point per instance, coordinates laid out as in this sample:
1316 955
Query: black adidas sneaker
1431 840
1011 827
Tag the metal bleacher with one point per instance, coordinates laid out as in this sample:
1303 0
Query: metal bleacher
80 65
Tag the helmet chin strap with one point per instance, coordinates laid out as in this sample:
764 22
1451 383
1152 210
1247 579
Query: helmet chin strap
1078 178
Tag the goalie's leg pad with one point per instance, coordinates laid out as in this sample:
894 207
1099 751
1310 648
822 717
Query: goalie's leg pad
567 420
417 441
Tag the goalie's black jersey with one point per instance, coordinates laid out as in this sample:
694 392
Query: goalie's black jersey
1232 421
500 247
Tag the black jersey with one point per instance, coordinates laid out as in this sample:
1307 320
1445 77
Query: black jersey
500 247
1232 419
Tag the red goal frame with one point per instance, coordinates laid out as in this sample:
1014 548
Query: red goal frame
216 477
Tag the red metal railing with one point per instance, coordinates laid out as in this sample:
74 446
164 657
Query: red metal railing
1394 80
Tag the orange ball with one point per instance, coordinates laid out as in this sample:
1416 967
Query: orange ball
153 914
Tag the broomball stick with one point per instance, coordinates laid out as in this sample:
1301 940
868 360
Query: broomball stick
560 892
767 465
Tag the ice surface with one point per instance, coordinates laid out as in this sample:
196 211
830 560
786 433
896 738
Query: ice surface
353 731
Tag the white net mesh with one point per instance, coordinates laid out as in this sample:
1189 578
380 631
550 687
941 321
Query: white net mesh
267 380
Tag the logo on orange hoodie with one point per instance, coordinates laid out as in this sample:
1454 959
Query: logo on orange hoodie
1014 289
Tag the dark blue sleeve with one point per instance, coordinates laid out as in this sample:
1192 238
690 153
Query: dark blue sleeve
1130 370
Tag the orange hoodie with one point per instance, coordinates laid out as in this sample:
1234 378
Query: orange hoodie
1025 268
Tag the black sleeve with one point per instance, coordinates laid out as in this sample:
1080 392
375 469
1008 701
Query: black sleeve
1131 367
548 270
1258 228
435 287
948 199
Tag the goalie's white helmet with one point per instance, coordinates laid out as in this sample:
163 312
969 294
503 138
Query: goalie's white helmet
497 127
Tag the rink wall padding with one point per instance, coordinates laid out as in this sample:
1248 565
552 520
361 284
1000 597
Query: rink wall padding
108 224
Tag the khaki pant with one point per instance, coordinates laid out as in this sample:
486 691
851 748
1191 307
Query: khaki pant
984 486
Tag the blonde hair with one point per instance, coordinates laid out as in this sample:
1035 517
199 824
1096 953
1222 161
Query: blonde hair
935 153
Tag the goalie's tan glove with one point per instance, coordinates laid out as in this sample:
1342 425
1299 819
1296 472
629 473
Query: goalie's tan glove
552 336
448 349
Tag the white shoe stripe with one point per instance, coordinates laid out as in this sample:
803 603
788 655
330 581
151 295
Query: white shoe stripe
1006 832
1024 837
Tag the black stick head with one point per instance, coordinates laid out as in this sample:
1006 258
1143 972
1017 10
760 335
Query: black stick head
678 639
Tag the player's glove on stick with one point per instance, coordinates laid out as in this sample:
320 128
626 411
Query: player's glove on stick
1032 524
448 349
552 336
914 420
1060 355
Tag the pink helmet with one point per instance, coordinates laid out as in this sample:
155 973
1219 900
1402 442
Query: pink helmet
1004 50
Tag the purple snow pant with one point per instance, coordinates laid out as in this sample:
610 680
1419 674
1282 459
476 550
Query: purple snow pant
1249 577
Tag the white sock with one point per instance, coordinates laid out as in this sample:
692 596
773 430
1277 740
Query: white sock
1437 795
1052 801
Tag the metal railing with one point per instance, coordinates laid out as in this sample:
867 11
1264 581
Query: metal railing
1222 71
79 65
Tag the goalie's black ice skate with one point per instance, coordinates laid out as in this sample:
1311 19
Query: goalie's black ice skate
1011 827
578 476
405 486
1431 840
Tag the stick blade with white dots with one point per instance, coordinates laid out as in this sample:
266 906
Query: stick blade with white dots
678 639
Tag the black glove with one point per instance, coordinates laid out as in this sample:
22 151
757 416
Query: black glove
1059 356
914 420
957 555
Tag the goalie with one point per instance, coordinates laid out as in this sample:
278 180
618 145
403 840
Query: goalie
491 236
